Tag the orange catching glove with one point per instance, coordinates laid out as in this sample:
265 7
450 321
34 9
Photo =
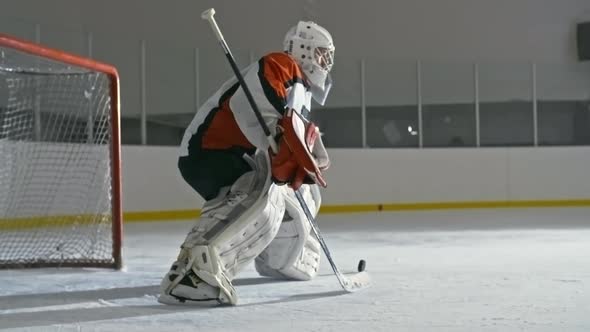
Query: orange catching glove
302 156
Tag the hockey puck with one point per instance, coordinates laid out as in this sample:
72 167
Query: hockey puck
362 265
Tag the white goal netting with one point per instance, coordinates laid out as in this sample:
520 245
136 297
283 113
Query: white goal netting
56 136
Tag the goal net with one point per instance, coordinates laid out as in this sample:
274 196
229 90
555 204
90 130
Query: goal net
60 202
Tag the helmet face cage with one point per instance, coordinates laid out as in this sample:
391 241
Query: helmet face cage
324 58
312 47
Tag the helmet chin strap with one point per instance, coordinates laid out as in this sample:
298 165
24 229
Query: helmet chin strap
320 94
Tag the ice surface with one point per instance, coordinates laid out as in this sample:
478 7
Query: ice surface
469 270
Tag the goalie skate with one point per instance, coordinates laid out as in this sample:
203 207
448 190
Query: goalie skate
187 287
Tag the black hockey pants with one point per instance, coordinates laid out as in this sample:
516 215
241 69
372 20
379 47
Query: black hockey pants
207 171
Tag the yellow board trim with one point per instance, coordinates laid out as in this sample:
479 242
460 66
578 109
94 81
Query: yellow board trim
358 208
171 215
453 205
52 221
142 216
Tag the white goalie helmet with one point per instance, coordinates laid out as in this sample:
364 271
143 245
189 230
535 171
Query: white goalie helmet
312 47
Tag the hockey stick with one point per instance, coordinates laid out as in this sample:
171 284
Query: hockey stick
349 283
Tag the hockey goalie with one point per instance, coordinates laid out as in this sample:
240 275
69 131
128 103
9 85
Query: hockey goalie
251 213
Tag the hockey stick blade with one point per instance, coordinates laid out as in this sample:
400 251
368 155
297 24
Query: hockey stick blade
350 283
356 281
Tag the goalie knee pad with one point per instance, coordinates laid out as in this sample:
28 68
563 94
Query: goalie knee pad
233 229
294 253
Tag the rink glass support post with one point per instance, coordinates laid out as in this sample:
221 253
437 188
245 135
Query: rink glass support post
363 105
419 102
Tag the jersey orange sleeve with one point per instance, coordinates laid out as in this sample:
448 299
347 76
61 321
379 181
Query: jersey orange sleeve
277 72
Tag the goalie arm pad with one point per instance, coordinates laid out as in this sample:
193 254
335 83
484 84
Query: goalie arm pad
302 156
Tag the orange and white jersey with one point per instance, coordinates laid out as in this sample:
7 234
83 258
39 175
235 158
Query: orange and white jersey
227 121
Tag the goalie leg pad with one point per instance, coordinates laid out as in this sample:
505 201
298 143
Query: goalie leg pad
232 231
294 253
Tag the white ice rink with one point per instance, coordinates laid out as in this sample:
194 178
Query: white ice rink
469 270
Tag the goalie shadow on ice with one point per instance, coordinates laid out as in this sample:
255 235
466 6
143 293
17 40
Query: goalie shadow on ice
255 157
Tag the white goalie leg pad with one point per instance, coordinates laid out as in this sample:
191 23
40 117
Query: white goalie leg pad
239 245
295 252
232 231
